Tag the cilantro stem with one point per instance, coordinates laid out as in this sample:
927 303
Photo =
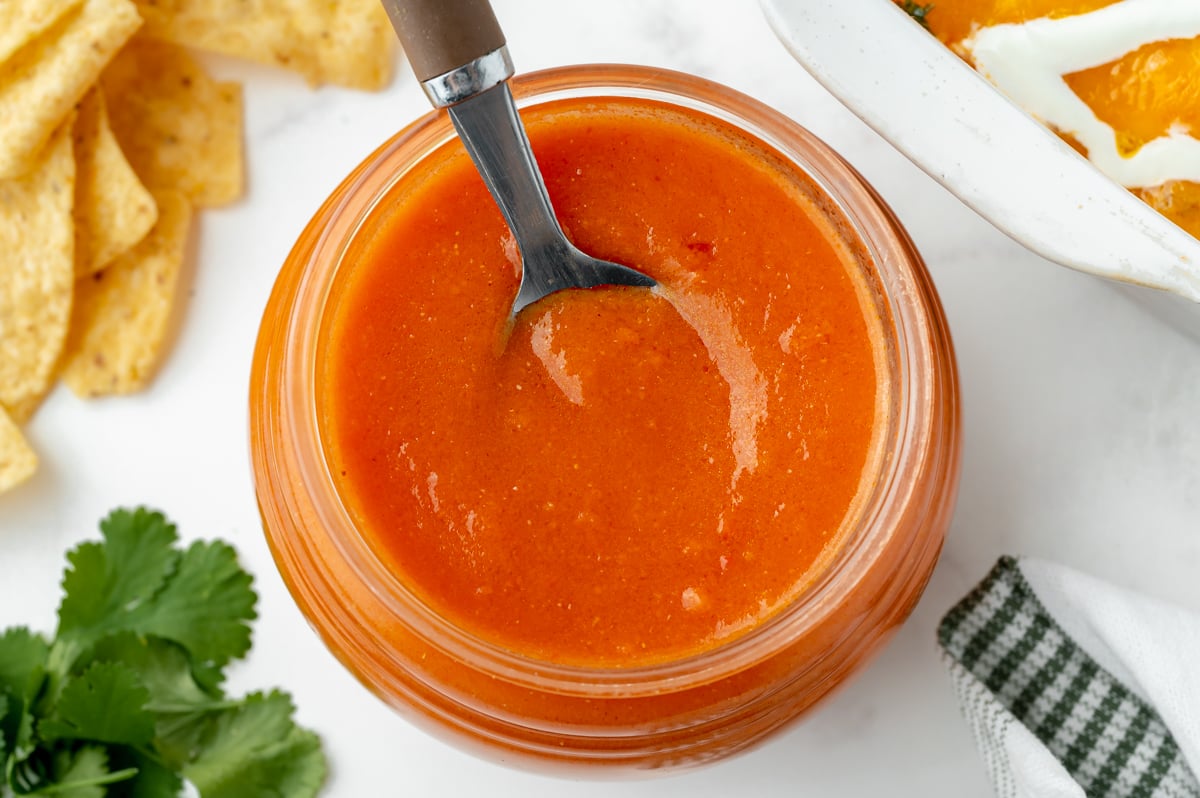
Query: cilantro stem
168 708
108 778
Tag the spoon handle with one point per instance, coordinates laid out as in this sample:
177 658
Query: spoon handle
449 43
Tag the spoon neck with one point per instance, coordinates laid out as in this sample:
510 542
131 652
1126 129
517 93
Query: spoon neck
491 130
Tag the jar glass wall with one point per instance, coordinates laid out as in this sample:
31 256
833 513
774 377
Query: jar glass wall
676 713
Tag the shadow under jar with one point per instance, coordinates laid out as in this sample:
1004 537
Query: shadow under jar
692 572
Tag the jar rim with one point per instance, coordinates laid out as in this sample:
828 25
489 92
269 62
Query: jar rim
908 439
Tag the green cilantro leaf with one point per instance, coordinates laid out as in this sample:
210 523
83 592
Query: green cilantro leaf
23 657
163 668
209 676
201 599
106 703
22 660
153 780
179 738
295 768
16 735
204 607
255 751
7 705
76 776
83 774
181 705
108 581
127 699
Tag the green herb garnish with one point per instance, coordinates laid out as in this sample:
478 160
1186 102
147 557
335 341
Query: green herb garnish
918 12
127 698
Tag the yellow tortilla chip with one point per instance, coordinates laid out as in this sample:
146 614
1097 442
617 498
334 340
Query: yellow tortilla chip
42 82
180 129
260 30
121 313
113 210
37 270
17 460
353 40
22 410
349 42
22 21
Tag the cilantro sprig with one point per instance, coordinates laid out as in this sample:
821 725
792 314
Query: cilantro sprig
918 11
126 699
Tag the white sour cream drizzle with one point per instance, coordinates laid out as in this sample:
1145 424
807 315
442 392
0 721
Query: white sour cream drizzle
1027 62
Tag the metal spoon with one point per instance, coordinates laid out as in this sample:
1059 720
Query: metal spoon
458 52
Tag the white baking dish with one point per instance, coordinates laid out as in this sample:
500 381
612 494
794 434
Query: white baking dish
1012 170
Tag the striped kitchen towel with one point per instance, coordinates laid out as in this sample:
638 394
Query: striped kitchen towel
1074 687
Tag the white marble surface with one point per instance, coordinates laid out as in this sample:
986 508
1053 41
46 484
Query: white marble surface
1081 426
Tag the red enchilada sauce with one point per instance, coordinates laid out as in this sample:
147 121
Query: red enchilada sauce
623 476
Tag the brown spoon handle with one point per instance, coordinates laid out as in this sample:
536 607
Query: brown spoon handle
442 35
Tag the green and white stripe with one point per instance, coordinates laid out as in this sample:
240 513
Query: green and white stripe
1012 663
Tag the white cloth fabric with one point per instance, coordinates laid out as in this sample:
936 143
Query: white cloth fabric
1074 687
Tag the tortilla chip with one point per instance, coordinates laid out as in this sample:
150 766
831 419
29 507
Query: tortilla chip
42 82
180 129
22 21
349 43
113 210
17 460
121 314
354 41
23 410
37 270
260 30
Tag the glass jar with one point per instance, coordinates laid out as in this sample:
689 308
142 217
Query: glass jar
678 713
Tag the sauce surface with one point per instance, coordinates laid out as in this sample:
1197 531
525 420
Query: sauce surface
623 476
